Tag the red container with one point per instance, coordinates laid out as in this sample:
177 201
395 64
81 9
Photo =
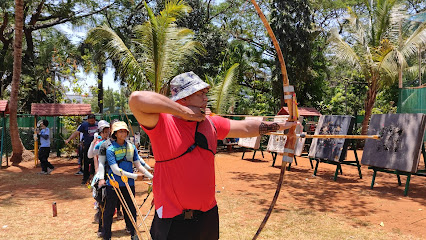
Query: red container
55 211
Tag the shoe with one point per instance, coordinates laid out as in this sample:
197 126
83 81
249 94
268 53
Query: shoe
78 173
100 234
128 231
120 215
49 170
83 182
96 217
43 173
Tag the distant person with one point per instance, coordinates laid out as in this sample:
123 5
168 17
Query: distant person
101 170
88 129
97 182
44 150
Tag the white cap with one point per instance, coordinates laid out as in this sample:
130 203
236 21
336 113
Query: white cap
102 124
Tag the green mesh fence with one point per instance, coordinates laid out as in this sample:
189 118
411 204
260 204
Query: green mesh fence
412 100
26 133
26 130
58 133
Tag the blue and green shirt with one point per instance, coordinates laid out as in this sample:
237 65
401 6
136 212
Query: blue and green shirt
123 155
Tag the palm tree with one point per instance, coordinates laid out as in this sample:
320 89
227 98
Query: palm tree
97 57
156 52
17 146
375 49
221 94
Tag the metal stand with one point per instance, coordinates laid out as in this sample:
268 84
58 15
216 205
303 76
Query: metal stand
254 153
339 164
398 173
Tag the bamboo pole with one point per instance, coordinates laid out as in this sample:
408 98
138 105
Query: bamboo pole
125 180
35 142
120 196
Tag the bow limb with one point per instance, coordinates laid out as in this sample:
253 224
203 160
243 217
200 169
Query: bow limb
290 100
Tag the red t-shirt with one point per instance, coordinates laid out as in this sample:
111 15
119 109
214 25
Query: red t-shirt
187 182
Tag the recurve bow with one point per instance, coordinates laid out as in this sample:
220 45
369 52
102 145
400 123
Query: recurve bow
290 100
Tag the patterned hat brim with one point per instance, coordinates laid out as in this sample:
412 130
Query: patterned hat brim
190 90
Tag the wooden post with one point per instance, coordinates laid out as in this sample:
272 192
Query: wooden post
57 144
3 131
35 142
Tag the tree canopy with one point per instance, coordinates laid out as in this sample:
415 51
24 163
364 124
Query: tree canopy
148 42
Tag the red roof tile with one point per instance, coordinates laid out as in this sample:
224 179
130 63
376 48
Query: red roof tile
303 111
4 106
60 109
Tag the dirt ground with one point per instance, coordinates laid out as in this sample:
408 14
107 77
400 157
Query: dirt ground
309 207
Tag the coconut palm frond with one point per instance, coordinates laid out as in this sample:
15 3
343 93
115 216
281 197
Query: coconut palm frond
413 71
179 48
396 19
163 45
221 92
151 16
159 47
389 63
415 41
341 49
210 81
117 50
382 18
175 9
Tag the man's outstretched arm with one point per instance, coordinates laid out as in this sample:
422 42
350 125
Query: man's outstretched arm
73 135
252 128
146 107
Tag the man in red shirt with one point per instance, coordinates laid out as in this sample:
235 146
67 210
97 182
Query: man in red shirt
184 142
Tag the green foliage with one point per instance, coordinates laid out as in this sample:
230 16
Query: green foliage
70 124
115 101
387 100
221 94
374 45
291 22
345 91
48 54
158 48
138 38
255 89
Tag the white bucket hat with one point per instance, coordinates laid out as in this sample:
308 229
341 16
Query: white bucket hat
118 126
186 84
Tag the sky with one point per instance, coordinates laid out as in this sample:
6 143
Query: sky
90 80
